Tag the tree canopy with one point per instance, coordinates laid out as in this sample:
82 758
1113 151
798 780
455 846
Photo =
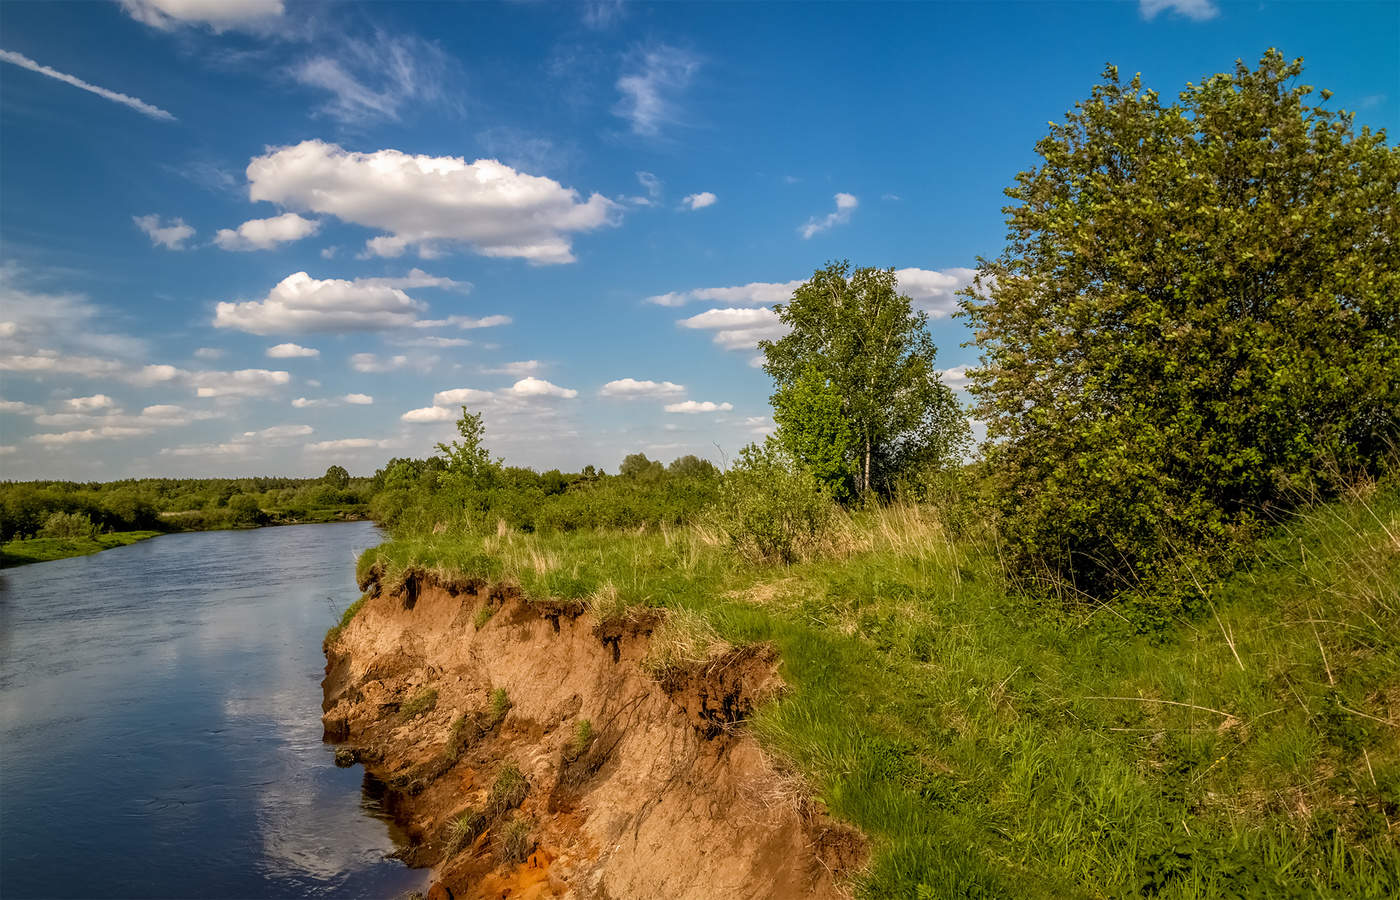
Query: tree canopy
1195 321
858 399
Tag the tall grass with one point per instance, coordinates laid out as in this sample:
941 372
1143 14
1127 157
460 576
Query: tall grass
994 745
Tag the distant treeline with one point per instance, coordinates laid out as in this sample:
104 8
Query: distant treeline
73 509
429 493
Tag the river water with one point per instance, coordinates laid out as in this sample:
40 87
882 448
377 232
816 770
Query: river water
160 730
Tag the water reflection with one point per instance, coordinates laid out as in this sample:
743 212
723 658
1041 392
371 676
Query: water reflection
159 724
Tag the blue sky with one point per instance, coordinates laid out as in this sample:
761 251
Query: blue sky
249 236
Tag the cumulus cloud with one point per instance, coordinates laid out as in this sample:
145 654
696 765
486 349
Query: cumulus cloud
88 404
1197 10
141 106
87 435
757 293
208 353
526 394
300 304
304 403
242 383
216 14
738 329
956 377
698 406
934 291
291 351
845 205
264 234
430 202
171 235
359 399
651 91
700 200
20 408
631 387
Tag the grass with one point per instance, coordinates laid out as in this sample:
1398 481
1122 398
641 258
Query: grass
517 842
350 612
580 742
500 705
33 550
507 791
994 745
463 829
423 700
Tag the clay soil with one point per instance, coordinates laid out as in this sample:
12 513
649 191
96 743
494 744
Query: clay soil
668 797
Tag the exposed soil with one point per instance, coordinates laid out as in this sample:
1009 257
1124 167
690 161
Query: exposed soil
669 797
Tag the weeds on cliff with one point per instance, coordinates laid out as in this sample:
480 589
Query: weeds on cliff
483 615
507 791
579 743
517 840
350 612
684 638
464 731
500 705
463 829
423 700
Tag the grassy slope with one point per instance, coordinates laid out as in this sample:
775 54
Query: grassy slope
994 748
32 550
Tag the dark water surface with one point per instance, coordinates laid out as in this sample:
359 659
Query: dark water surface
160 730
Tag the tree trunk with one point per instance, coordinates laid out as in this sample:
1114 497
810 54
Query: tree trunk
865 487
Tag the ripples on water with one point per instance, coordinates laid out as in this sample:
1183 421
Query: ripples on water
160 728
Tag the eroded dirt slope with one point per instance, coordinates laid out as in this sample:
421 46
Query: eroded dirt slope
633 787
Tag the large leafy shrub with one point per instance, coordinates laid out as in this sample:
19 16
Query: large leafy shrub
770 507
1195 321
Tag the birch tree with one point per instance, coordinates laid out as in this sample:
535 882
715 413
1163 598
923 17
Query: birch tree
858 347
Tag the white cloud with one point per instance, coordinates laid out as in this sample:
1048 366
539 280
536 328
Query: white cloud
171 236
428 414
375 78
526 395
631 387
845 205
209 353
217 14
20 408
433 340
141 106
427 201
348 444
329 252
242 383
1197 10
758 293
264 234
240 448
738 329
700 200
652 185
42 362
304 403
956 377
465 322
650 94
359 399
300 304
698 406
538 387
279 432
518 368
600 14
932 290
291 351
88 435
370 363
88 404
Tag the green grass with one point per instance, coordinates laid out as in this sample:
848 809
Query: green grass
423 700
993 745
32 550
507 791
350 612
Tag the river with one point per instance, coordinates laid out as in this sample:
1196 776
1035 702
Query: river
160 730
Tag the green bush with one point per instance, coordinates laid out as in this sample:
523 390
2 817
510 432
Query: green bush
770 508
67 525
1193 327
